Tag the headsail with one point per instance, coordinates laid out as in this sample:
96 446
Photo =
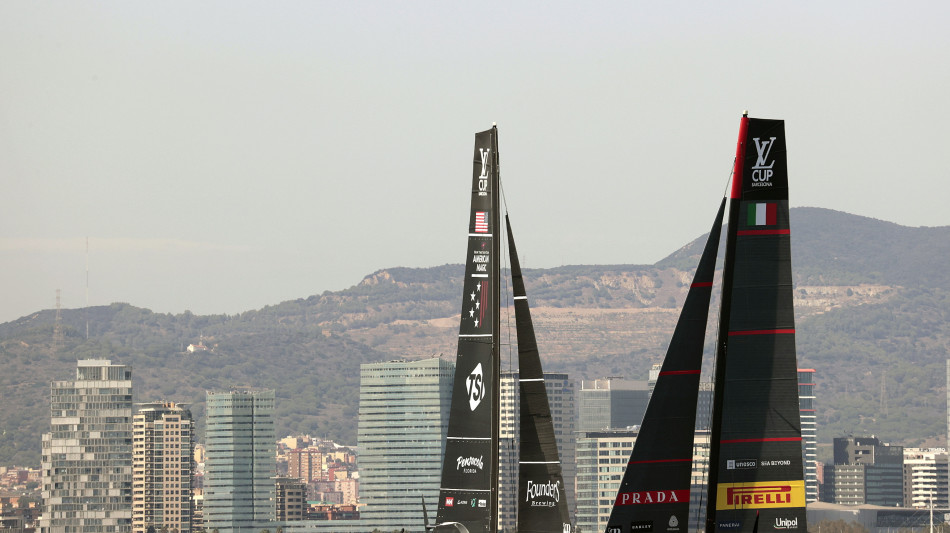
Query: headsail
755 455
469 487
542 499
654 492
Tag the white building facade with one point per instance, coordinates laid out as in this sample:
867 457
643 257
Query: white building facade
87 455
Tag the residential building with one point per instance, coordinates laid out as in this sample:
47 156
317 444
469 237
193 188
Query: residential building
560 392
809 424
290 500
240 465
305 464
163 437
926 478
601 461
87 455
19 514
349 488
403 422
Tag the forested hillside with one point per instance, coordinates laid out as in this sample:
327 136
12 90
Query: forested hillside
872 301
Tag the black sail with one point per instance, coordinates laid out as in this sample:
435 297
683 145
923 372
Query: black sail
542 500
756 474
469 486
654 492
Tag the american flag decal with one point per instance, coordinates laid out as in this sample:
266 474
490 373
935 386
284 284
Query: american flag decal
481 221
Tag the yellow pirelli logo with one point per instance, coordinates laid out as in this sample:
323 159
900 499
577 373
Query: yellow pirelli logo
760 495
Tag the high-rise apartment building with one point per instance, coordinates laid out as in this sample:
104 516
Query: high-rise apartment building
403 421
291 497
612 403
305 464
163 438
926 478
87 455
601 461
240 467
809 422
560 392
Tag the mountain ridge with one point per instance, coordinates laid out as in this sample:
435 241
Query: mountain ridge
856 280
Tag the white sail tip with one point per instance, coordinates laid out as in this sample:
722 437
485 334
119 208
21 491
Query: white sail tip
745 112
493 124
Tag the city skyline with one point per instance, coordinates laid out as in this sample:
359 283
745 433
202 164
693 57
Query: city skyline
243 421
197 151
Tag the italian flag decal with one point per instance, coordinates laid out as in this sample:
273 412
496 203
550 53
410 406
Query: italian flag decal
762 215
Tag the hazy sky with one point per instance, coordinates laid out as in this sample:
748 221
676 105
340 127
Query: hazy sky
223 156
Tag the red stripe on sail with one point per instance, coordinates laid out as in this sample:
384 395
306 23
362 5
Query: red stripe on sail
761 332
678 372
774 439
771 213
701 284
740 158
484 298
764 232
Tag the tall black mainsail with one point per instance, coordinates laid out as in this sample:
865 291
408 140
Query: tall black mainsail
542 500
755 473
468 497
755 480
654 492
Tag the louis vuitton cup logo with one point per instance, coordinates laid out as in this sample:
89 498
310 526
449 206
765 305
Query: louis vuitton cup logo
483 177
475 385
762 170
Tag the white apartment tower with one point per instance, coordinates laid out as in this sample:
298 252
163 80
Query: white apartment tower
87 455
809 422
601 461
926 478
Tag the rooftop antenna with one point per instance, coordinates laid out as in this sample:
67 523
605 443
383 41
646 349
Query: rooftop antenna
884 393
58 325
87 288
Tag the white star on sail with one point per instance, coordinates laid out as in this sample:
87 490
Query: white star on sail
471 313
476 322
473 296
477 304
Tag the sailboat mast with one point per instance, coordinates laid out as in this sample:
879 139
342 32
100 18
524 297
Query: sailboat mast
728 275
496 327
468 494
756 478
